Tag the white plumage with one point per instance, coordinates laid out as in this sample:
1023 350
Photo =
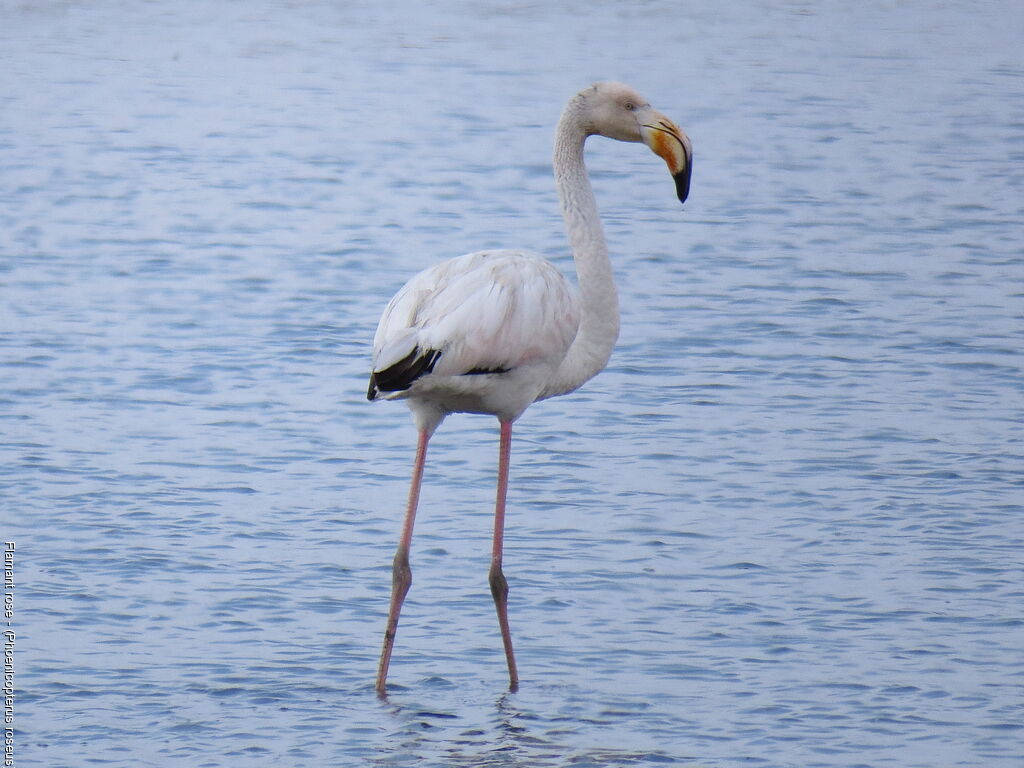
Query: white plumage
490 311
494 331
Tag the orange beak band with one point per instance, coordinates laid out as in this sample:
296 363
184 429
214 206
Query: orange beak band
673 146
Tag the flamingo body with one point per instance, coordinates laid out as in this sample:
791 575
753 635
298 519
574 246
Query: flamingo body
480 333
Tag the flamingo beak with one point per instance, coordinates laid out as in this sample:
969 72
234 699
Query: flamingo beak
668 142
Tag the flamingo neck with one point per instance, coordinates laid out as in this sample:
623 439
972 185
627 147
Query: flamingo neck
599 303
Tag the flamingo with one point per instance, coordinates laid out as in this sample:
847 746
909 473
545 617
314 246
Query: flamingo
493 331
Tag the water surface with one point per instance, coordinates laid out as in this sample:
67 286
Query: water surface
784 528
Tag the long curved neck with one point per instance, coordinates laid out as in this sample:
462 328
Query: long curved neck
599 302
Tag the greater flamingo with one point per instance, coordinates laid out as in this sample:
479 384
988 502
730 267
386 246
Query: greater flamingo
494 331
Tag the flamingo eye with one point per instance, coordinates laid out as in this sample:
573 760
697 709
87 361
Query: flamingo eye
630 106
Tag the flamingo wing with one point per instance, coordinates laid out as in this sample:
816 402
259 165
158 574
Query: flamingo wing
485 312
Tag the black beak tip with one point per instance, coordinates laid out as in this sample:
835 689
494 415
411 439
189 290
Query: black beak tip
682 180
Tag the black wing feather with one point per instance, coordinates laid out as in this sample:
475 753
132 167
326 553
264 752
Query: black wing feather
402 374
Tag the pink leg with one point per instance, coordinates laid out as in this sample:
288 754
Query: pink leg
499 586
401 574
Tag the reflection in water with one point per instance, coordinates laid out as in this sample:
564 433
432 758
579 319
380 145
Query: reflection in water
510 736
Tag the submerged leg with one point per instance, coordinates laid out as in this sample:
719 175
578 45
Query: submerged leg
499 586
401 574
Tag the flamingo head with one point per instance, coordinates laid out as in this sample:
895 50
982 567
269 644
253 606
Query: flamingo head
618 112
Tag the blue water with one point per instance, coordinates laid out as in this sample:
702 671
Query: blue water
784 528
